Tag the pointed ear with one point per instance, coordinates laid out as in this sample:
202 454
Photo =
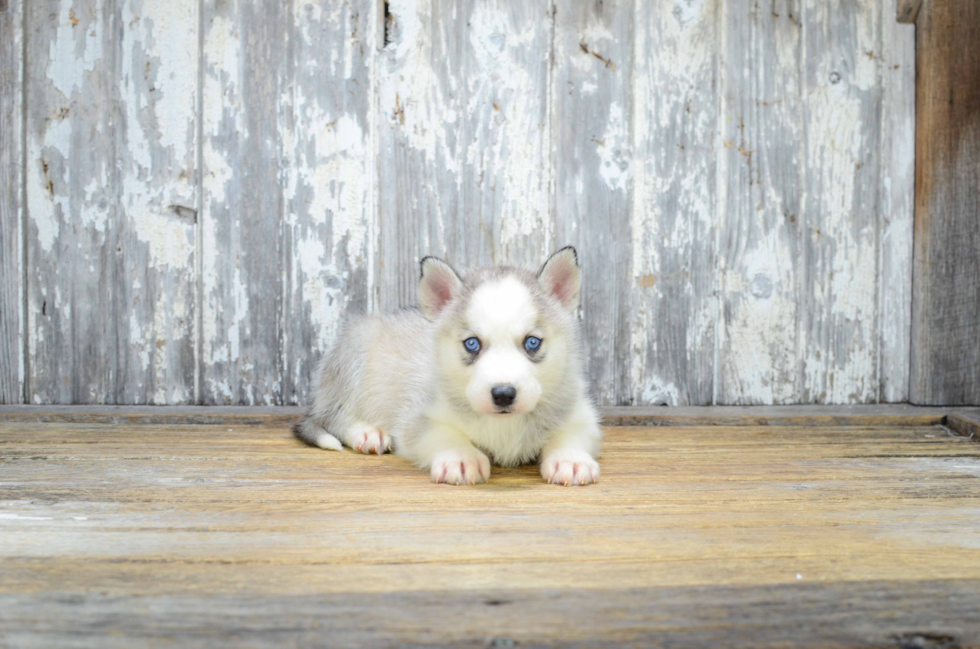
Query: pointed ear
438 287
561 277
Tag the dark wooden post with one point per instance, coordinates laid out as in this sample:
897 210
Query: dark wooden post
945 363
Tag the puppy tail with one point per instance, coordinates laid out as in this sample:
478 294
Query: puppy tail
316 435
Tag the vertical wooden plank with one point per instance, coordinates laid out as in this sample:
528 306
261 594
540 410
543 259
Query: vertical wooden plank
330 195
505 172
244 54
946 280
156 168
420 111
71 200
11 214
465 145
110 153
760 205
906 11
897 181
675 108
839 314
593 172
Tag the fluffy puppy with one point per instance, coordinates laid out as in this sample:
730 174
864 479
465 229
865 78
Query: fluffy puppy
488 371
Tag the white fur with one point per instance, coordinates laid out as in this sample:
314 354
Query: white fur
368 439
404 382
501 314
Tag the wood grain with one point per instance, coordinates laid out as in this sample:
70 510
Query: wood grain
465 144
111 146
592 95
932 614
945 326
673 323
840 283
71 256
505 143
760 209
809 536
11 204
421 105
244 62
896 205
330 194
735 175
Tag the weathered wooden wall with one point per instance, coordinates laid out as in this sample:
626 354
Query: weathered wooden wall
202 189
946 311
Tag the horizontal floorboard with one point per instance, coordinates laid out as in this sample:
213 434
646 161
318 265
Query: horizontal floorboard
857 415
235 534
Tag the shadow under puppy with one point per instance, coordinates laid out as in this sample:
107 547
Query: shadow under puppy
488 370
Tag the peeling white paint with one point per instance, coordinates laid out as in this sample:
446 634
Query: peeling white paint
473 118
75 50
614 150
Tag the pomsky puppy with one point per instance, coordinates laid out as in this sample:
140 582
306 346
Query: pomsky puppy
489 370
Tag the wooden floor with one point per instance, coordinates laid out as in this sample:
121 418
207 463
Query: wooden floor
199 535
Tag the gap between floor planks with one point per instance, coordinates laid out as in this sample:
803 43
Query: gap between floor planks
962 420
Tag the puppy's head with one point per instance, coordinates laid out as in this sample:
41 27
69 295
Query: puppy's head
505 334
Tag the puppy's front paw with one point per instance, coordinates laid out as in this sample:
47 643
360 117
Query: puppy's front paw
570 467
368 439
460 467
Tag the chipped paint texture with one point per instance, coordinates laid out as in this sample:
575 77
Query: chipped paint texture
761 186
329 199
672 325
594 177
212 186
110 150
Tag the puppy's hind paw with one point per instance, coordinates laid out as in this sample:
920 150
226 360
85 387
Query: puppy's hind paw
460 467
570 467
368 439
328 442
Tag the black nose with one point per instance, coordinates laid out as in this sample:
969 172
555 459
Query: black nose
503 395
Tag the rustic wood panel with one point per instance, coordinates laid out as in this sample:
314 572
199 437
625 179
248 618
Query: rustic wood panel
896 206
421 107
735 175
70 319
675 197
111 144
945 322
762 188
11 204
156 167
134 534
465 144
505 145
330 191
592 95
839 325
244 59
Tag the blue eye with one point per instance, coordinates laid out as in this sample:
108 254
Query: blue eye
531 344
472 345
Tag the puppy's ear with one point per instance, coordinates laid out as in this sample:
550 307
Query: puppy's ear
561 277
438 287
